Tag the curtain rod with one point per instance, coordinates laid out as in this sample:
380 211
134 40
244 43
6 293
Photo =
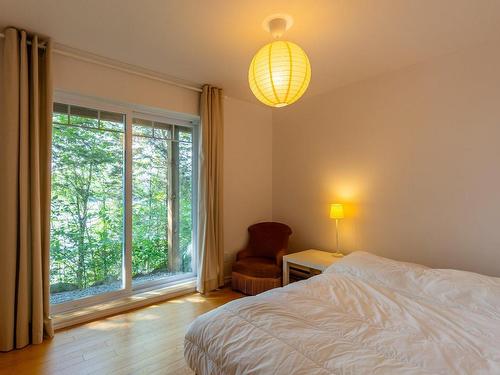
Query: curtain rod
117 67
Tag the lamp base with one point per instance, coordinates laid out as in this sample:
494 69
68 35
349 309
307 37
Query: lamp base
337 254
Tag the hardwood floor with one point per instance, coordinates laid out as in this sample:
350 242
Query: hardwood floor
145 341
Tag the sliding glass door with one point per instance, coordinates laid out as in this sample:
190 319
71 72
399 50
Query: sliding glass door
162 186
87 202
123 201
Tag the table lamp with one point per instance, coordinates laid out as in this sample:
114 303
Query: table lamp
337 212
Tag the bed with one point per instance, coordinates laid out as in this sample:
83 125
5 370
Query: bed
364 315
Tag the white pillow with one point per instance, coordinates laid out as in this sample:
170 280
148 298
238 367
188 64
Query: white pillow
379 270
449 287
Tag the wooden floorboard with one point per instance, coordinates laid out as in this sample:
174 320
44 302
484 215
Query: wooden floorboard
145 341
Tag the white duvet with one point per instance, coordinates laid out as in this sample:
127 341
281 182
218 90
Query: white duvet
364 315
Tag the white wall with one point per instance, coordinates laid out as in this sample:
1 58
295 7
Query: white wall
247 172
95 80
247 138
415 155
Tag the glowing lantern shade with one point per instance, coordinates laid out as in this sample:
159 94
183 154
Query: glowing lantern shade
279 73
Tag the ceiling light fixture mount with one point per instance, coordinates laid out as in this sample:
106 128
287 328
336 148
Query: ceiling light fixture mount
277 27
279 22
280 72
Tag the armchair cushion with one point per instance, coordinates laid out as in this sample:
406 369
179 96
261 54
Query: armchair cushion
257 267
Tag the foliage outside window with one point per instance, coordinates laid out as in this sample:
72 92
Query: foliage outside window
162 199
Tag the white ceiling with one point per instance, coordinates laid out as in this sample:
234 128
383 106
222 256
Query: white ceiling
213 41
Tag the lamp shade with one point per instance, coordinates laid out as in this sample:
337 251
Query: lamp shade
279 73
336 211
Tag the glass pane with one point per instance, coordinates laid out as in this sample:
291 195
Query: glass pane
61 108
59 118
86 212
184 134
163 130
60 113
84 116
112 121
185 172
150 206
142 127
162 227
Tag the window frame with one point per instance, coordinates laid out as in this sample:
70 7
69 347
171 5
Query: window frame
148 113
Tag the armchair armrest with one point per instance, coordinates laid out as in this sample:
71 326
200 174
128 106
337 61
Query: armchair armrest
279 257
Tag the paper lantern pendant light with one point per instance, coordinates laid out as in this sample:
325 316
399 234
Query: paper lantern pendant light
280 71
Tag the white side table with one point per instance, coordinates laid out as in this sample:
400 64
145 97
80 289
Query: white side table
309 261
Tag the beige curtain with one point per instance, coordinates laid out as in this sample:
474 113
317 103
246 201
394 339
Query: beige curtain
211 252
25 136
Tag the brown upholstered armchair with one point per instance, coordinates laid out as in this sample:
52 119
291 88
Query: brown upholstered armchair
258 266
